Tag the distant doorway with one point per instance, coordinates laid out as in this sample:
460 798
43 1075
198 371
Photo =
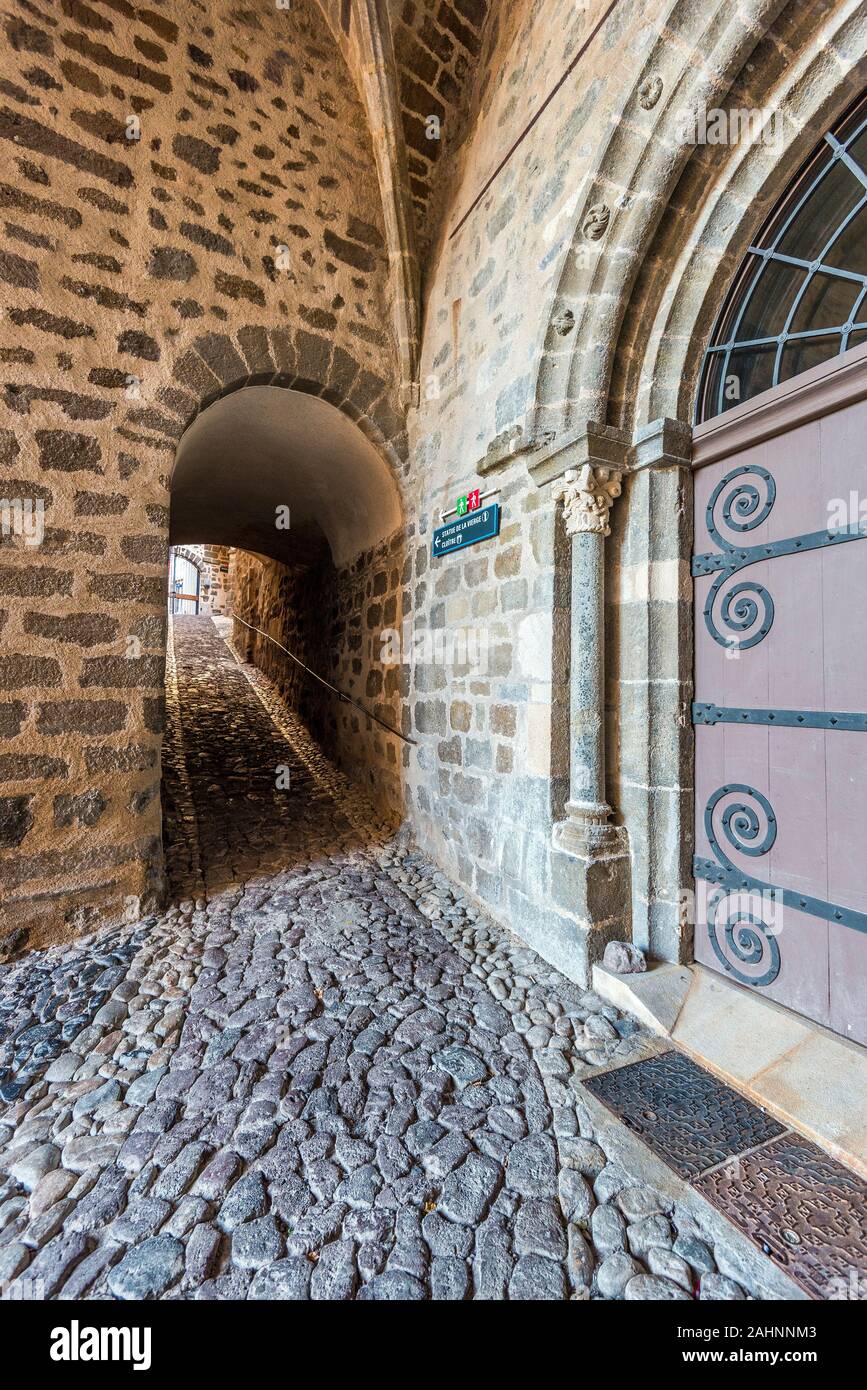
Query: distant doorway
185 585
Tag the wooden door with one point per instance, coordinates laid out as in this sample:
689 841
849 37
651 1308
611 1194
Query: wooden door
780 712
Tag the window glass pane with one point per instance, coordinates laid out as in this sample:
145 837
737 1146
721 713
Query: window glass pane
827 303
858 149
750 370
849 251
709 389
800 356
770 301
858 337
746 276
826 207
819 161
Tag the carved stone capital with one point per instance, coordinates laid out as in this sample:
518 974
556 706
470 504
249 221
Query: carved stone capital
587 494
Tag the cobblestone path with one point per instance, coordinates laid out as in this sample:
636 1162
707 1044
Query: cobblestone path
322 1073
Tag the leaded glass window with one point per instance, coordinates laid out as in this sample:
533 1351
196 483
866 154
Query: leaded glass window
800 295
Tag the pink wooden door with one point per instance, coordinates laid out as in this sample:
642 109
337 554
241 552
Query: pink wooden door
780 573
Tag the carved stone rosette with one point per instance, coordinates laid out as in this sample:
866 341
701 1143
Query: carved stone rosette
587 494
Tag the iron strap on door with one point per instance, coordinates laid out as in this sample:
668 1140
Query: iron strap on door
787 718
739 612
749 825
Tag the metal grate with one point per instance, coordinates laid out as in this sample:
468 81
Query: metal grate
682 1112
799 1206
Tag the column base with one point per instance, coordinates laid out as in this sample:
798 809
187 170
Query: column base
591 879
587 831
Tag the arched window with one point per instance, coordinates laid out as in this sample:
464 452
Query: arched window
800 295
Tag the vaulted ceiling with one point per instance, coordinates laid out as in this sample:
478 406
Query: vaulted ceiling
415 62
437 45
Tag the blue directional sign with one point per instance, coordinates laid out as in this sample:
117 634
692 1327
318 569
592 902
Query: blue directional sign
481 525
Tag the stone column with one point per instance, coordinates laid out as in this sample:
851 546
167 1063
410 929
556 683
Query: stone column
587 494
656 734
590 856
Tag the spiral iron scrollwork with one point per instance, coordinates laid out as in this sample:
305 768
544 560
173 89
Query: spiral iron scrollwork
743 508
746 612
742 938
743 942
741 822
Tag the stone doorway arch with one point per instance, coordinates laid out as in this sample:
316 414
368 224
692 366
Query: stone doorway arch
652 398
659 230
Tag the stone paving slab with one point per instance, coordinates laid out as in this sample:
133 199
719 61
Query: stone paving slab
321 1073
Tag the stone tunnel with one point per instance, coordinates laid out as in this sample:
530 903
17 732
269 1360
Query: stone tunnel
382 752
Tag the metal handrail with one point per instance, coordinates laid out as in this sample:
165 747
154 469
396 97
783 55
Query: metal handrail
347 699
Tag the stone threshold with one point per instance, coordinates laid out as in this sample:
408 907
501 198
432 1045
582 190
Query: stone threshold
810 1079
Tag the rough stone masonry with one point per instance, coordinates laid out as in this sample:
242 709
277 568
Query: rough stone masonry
469 230
143 276
322 1074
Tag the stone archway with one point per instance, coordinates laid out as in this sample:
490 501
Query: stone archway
313 516
277 471
220 216
660 229
215 365
658 221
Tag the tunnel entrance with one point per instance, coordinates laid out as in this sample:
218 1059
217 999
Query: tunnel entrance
282 474
287 544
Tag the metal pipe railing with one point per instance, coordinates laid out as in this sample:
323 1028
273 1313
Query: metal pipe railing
347 699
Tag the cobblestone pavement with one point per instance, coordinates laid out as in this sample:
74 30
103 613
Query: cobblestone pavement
322 1073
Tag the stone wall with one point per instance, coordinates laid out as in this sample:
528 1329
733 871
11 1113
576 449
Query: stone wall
491 775
216 582
274 598
570 167
239 235
217 586
437 46
561 232
333 620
